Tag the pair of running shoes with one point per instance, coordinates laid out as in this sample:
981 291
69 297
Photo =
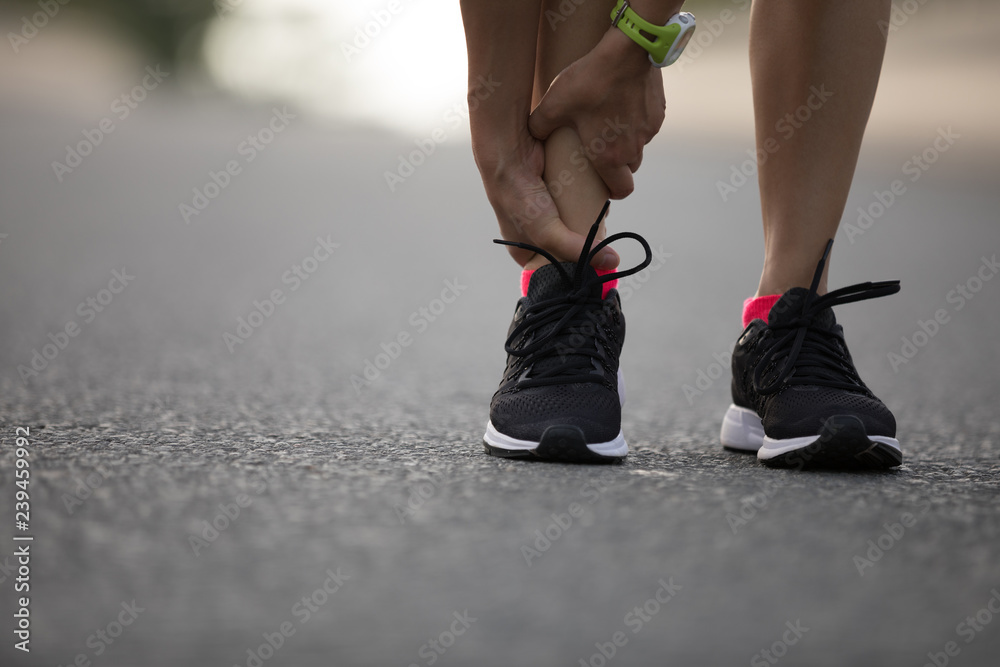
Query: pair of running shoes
798 400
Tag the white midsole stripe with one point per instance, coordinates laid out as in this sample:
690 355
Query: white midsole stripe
773 447
742 429
616 447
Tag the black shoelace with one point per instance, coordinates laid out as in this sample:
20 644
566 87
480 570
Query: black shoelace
809 354
577 312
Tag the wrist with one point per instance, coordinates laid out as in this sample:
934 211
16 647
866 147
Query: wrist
627 56
497 150
658 28
501 117
656 11
492 139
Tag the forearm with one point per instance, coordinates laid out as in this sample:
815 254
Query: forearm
501 38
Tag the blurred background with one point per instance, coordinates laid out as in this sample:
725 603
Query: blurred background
361 64
210 148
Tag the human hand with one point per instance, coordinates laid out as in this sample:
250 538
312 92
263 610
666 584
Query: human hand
512 172
613 98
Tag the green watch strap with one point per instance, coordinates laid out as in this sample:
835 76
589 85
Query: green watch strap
655 39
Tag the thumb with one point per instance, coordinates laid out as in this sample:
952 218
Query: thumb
547 116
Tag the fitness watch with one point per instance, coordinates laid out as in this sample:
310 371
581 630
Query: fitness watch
664 43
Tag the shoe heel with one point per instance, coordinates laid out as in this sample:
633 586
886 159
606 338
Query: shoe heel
741 429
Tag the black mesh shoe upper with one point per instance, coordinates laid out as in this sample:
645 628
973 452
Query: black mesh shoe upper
563 347
795 369
562 362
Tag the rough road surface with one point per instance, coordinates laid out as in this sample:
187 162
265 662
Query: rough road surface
371 527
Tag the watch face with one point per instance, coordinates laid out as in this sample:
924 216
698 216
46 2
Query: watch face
683 39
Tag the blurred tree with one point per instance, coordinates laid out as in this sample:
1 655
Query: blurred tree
158 26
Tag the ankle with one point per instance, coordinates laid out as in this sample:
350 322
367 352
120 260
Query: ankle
784 279
787 266
779 287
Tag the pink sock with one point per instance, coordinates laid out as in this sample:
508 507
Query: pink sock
610 285
757 308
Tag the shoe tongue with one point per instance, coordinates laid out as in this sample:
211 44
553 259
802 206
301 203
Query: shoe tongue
790 306
547 283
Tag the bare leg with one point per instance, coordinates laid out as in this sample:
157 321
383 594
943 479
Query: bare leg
821 48
578 191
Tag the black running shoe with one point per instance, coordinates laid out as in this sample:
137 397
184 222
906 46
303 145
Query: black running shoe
798 401
561 394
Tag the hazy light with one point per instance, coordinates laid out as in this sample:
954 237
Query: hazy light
404 70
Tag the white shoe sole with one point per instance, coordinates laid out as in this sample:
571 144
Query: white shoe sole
616 448
501 444
743 430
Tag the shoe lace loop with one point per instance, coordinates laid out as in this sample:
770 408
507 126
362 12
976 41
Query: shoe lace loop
809 354
577 312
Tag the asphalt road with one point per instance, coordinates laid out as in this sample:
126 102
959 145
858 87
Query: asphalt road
371 527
